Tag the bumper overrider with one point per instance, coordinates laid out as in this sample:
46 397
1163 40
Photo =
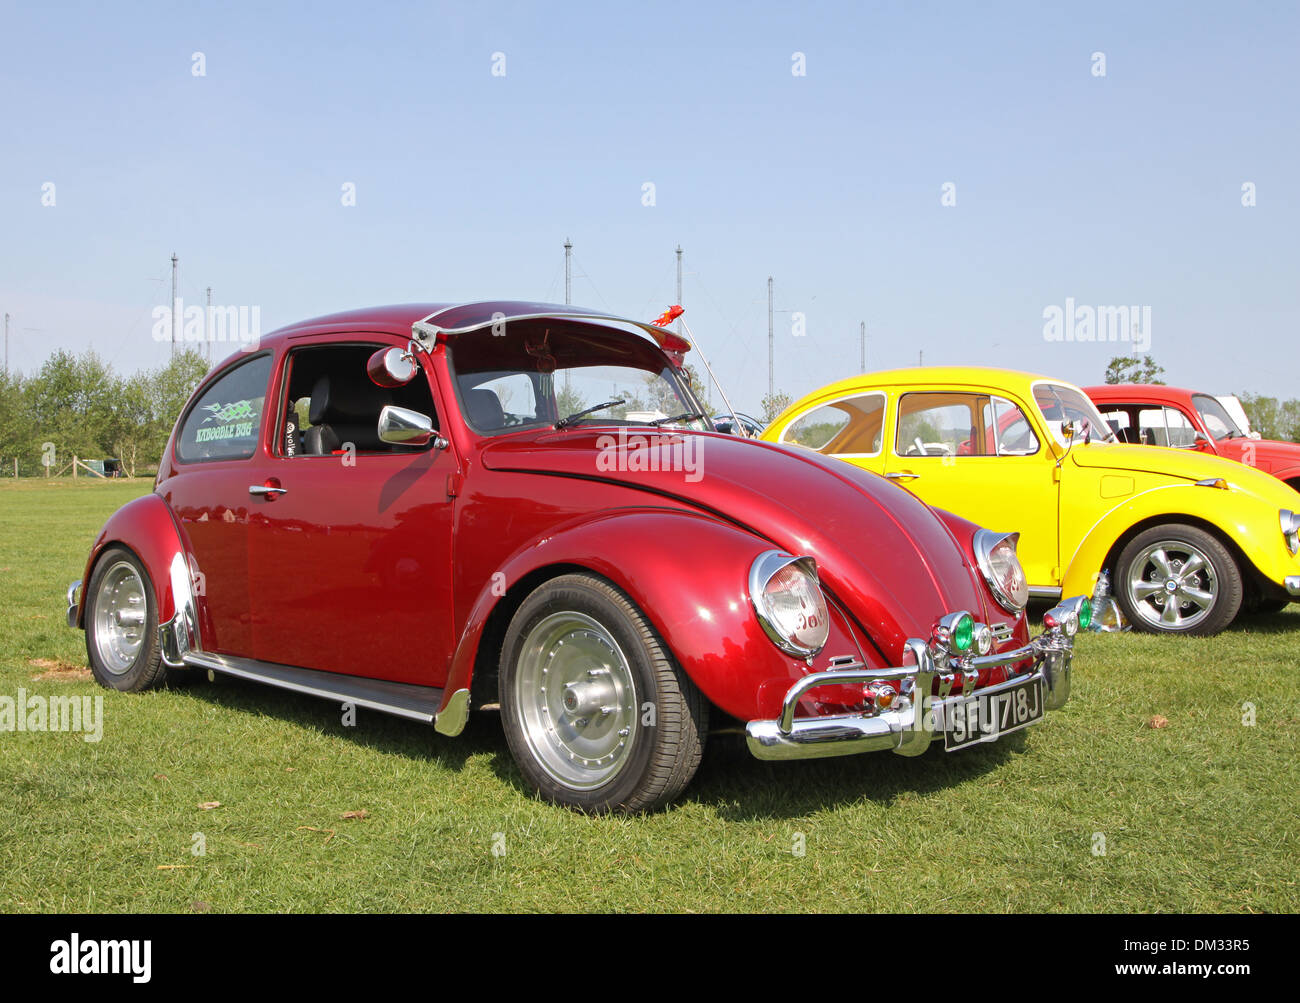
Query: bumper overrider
908 719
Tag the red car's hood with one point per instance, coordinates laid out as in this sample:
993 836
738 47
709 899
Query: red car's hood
1269 455
886 555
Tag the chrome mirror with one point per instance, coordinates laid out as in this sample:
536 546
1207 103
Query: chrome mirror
392 367
403 427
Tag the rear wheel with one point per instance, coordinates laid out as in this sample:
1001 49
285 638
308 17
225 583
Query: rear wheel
597 714
1178 579
121 619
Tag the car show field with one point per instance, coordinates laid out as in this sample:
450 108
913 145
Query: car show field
1166 784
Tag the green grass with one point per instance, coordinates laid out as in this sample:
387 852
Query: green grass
1196 816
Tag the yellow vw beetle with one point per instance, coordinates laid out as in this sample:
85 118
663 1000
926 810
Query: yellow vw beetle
1188 540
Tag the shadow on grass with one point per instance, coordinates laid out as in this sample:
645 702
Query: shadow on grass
1285 622
730 781
741 788
373 730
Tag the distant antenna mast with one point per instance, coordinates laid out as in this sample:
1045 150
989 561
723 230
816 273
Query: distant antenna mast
568 289
771 344
568 272
862 336
679 285
6 344
173 311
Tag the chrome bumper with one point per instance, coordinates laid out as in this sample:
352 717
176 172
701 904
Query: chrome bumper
908 727
73 602
1293 585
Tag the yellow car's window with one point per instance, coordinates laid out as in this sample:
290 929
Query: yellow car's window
1007 430
941 424
851 426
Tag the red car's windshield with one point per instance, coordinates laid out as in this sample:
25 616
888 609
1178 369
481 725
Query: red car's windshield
536 373
1216 418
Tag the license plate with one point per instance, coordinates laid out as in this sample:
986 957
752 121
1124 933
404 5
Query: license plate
986 717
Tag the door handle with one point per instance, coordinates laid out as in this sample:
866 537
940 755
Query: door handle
902 475
266 491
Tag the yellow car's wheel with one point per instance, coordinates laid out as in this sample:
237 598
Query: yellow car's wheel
1178 579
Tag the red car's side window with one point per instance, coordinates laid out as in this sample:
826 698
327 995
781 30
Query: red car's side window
225 423
332 406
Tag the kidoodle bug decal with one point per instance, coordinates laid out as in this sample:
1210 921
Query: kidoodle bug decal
229 412
229 416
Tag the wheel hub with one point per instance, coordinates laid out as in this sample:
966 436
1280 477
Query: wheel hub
1173 585
576 700
119 617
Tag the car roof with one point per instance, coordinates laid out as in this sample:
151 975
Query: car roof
1140 390
460 318
954 375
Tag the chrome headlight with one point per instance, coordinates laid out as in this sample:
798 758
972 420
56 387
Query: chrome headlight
995 553
1290 529
789 602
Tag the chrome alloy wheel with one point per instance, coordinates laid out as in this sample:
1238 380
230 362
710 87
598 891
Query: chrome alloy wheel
121 614
1172 585
576 700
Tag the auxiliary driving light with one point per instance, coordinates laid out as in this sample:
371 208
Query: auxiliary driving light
955 633
1070 616
983 639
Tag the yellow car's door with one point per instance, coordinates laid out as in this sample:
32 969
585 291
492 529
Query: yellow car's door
980 456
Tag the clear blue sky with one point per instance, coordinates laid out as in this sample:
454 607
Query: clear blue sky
1122 189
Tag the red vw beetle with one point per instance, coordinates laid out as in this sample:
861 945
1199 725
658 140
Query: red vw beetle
1187 419
424 509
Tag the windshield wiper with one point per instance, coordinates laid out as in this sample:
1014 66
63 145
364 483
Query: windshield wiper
688 416
571 419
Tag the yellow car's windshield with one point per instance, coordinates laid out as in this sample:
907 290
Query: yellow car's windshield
1059 403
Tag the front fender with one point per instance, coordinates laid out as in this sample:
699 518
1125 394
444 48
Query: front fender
1248 521
688 574
145 526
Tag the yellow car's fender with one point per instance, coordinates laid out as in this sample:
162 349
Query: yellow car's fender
1239 516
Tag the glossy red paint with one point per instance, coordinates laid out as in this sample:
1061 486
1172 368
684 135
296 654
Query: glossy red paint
146 526
406 566
1281 459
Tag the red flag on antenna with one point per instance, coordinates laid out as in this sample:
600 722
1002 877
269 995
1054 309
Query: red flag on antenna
668 316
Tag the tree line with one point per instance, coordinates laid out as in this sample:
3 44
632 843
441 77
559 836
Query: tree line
76 405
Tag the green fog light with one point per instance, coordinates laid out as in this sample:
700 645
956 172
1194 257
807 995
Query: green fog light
1085 614
964 633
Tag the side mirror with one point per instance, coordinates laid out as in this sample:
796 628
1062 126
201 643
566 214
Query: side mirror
392 367
403 427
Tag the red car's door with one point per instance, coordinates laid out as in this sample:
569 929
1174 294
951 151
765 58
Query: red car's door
218 454
350 558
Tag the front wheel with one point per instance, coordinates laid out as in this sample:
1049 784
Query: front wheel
597 714
1178 579
122 624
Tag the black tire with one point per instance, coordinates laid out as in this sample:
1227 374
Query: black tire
616 675
1147 604
125 665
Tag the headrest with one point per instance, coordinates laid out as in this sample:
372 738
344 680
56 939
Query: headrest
484 410
337 400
